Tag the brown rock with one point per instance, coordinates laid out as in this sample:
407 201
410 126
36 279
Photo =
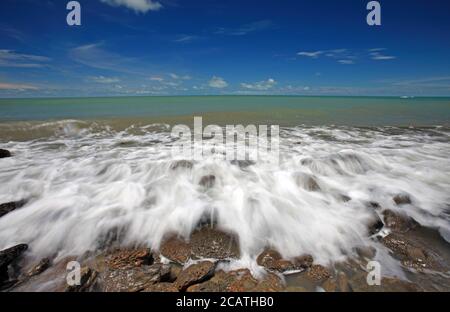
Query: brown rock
88 277
272 260
239 281
161 287
4 153
39 268
133 279
176 250
129 258
195 274
409 253
342 282
211 243
204 243
175 271
318 273
402 199
397 222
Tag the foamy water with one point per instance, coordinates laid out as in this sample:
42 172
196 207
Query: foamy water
83 184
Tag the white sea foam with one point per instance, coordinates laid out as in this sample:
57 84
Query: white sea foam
82 185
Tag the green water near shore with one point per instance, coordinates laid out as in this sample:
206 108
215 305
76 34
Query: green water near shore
284 110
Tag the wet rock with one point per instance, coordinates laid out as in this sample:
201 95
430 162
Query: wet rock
4 153
208 181
239 281
374 205
410 254
307 182
162 287
318 273
39 268
345 198
397 222
211 243
133 279
366 252
272 260
338 284
296 289
8 257
195 274
10 207
402 199
204 243
376 225
176 250
330 285
182 164
87 281
129 258
175 271
343 283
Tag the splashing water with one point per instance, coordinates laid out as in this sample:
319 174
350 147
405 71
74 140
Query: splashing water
83 183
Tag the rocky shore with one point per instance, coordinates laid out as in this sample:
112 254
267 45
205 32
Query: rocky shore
197 265
200 263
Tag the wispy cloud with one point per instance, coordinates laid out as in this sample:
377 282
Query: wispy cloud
430 82
246 29
343 56
104 80
16 87
139 6
178 77
377 54
186 38
12 33
96 56
260 86
314 54
9 58
346 62
217 82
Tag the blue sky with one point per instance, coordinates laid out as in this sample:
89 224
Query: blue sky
180 47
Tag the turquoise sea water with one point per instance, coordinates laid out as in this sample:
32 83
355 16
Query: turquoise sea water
285 109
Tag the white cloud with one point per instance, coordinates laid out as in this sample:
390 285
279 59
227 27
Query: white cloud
9 58
346 62
314 54
217 82
16 87
178 77
104 80
380 57
186 38
142 6
260 86
157 78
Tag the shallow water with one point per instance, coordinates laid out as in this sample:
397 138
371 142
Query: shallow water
84 181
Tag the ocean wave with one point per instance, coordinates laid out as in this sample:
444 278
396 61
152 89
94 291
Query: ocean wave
87 181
